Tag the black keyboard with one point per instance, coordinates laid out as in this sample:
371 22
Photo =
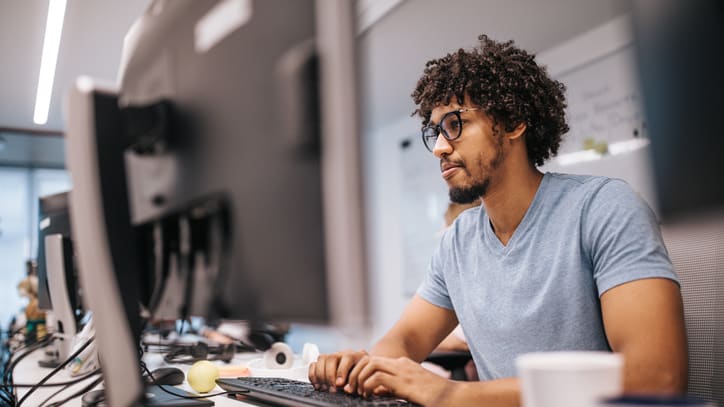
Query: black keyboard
285 392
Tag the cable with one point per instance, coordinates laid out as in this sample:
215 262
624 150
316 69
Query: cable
8 373
68 384
56 370
14 331
6 395
56 384
51 396
79 393
30 349
95 372
6 400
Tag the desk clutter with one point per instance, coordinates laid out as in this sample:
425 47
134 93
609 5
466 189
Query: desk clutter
184 367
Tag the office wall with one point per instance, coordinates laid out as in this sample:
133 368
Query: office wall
394 52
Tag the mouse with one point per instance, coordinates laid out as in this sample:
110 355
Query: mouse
167 375
95 398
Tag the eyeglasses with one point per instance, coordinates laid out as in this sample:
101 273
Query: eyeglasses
451 127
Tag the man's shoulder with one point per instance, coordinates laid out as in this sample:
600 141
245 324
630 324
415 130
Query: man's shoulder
601 197
587 186
591 195
578 180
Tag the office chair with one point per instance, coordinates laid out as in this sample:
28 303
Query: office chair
452 361
696 249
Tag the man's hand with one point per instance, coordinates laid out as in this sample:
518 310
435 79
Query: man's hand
401 377
330 372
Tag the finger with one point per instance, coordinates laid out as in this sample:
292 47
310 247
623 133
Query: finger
311 373
319 371
369 369
346 364
365 372
330 372
378 383
383 365
351 386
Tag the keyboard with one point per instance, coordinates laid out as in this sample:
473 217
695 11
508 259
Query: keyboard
286 392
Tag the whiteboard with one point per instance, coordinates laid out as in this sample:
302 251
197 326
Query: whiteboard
604 103
608 133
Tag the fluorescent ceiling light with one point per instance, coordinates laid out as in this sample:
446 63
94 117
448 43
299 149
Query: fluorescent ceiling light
53 31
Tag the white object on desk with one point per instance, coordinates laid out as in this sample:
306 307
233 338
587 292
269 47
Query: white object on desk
279 356
287 366
298 371
310 353
86 361
569 379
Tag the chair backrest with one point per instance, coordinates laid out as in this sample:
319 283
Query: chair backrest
696 249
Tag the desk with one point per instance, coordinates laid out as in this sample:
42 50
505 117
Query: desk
27 372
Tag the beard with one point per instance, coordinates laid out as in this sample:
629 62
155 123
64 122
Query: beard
479 188
469 194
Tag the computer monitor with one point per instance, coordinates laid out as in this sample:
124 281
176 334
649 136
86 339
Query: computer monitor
54 218
681 65
58 289
235 130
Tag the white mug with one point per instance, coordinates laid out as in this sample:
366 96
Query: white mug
569 379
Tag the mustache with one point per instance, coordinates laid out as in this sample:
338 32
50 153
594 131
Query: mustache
447 163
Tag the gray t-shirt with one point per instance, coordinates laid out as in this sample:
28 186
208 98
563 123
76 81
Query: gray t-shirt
581 236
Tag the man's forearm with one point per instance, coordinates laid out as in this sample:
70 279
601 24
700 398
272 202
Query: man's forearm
501 392
391 347
395 346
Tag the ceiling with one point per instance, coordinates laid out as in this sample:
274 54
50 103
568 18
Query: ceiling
91 42
405 34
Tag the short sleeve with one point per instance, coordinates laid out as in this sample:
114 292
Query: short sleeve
623 237
433 288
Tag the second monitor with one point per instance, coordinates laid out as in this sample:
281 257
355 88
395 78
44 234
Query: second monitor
240 151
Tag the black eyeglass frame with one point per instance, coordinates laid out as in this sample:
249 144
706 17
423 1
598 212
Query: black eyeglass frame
432 132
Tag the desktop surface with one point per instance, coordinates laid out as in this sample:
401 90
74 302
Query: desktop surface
28 372
270 391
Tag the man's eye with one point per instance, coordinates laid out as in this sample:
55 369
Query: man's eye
454 124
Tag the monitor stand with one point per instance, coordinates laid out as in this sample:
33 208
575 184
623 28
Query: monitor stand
59 262
51 351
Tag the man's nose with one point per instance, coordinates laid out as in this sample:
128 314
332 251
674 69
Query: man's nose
442 146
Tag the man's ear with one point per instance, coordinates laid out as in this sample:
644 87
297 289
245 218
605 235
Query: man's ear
517 132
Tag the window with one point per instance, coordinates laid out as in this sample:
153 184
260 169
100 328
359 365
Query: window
21 188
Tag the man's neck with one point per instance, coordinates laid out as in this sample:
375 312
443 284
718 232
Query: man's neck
507 202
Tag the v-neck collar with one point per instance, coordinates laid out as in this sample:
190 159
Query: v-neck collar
528 219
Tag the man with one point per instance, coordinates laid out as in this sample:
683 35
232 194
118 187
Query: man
553 262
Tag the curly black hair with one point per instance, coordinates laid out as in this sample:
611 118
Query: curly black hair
507 84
